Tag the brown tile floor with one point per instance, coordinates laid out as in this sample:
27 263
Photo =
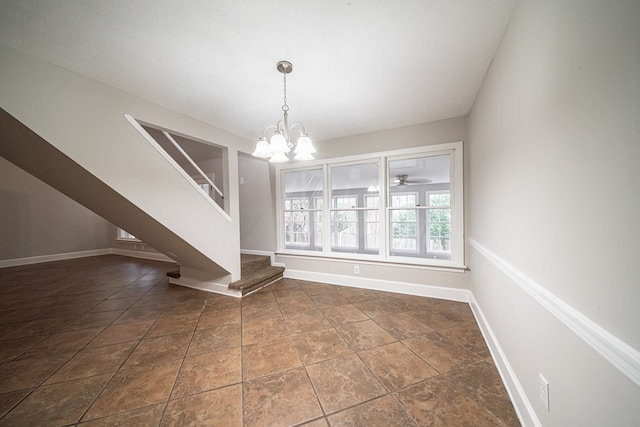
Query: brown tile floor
107 341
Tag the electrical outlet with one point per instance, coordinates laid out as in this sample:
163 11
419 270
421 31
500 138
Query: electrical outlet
356 269
544 391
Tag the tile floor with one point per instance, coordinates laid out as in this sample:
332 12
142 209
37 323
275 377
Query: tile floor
106 341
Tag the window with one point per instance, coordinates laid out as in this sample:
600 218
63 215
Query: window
296 219
344 222
353 210
403 206
420 206
125 235
404 223
439 218
302 210
372 222
318 204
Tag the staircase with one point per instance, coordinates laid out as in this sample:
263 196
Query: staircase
256 273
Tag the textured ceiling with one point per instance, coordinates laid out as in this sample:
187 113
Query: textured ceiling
358 65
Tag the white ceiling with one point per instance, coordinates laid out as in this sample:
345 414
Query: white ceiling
358 65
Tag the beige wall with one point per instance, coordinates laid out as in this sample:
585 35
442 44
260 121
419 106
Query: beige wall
553 185
37 220
450 130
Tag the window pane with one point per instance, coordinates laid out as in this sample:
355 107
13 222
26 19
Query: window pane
344 202
354 177
439 238
344 229
302 221
372 223
125 235
296 228
439 224
402 200
353 187
423 182
439 199
319 202
404 235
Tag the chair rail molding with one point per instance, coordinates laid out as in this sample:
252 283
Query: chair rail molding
621 355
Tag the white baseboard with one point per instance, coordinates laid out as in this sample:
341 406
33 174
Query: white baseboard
217 288
53 257
155 256
452 294
83 254
521 404
621 355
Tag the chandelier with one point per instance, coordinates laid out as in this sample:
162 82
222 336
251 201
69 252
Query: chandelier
280 144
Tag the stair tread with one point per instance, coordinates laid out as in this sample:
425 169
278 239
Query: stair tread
256 277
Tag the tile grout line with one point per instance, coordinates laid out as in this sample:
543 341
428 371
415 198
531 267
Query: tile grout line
124 360
175 380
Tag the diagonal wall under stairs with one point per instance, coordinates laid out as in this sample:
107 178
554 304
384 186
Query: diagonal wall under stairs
70 132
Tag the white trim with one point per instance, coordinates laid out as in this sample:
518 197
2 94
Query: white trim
271 255
452 149
434 148
441 292
214 287
516 393
621 355
173 163
83 254
53 257
155 256
367 261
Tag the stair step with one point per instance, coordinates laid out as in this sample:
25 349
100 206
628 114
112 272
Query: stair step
252 263
256 272
257 279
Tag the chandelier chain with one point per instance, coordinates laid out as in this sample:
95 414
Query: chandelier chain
285 107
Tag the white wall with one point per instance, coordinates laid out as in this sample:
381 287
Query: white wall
257 204
554 194
37 220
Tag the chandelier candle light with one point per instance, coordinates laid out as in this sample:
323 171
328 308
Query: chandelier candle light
280 144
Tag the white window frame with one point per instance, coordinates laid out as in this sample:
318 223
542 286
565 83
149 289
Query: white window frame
456 190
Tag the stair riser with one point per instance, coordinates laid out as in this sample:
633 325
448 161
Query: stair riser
261 285
249 267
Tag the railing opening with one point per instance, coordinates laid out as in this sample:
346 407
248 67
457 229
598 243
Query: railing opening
203 162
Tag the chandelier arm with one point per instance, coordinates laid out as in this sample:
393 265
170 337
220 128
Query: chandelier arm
267 128
303 131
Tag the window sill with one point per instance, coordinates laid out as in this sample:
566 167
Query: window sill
368 261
